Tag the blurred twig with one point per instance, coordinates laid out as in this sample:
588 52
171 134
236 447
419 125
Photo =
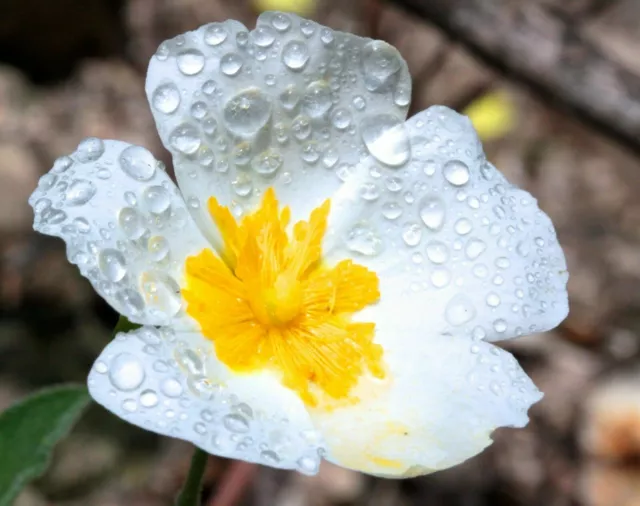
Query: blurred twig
234 484
546 52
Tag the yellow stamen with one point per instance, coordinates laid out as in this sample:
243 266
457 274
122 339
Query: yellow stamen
269 303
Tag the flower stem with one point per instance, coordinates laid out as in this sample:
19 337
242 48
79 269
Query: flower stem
192 489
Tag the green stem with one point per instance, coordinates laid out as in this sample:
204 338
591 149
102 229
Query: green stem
192 489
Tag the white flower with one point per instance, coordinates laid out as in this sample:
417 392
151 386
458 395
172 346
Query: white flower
362 334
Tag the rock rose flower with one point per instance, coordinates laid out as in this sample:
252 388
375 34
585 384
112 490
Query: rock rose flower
328 278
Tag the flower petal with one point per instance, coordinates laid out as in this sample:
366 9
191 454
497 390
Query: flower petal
455 245
291 104
443 399
166 383
125 225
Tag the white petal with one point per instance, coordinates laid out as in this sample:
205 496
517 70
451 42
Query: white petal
455 245
125 225
443 399
167 383
291 105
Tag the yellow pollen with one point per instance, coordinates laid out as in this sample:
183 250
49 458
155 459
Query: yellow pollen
268 303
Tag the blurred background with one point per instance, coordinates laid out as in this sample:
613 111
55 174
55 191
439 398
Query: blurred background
553 87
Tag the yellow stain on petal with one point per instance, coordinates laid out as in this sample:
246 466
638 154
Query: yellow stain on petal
301 7
493 115
268 302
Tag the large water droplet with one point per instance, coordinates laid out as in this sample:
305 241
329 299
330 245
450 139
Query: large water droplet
412 234
463 226
460 310
131 301
236 423
126 372
263 36
148 398
190 62
267 163
215 34
161 293
185 138
432 212
231 64
386 138
171 387
112 264
364 240
158 247
437 252
317 99
131 223
295 55
380 64
156 199
89 150
456 172
80 192
166 98
247 112
474 248
138 163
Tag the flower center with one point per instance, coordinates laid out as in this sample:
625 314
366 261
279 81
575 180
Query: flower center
267 302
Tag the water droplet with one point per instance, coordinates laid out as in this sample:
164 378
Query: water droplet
463 226
308 465
270 457
156 199
236 423
263 36
215 34
80 192
190 62
200 428
171 387
148 398
166 98
100 367
281 22
459 310
230 64
82 225
380 64
161 292
493 300
317 99
341 118
412 234
456 172
437 252
475 248
242 185
126 372
185 139
62 164
138 163
295 55
500 326
247 112
432 212
131 301
112 264
158 247
267 163
301 127
131 223
386 138
364 240
89 150
129 405
391 210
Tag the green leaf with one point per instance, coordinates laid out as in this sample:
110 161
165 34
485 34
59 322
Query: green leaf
30 429
192 490
124 325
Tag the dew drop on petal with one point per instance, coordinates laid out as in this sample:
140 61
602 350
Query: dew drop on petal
89 150
364 240
459 310
236 423
190 62
432 212
317 99
156 199
247 112
126 372
138 163
185 139
215 34
112 264
231 64
386 138
148 398
166 98
295 55
80 192
380 64
456 172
